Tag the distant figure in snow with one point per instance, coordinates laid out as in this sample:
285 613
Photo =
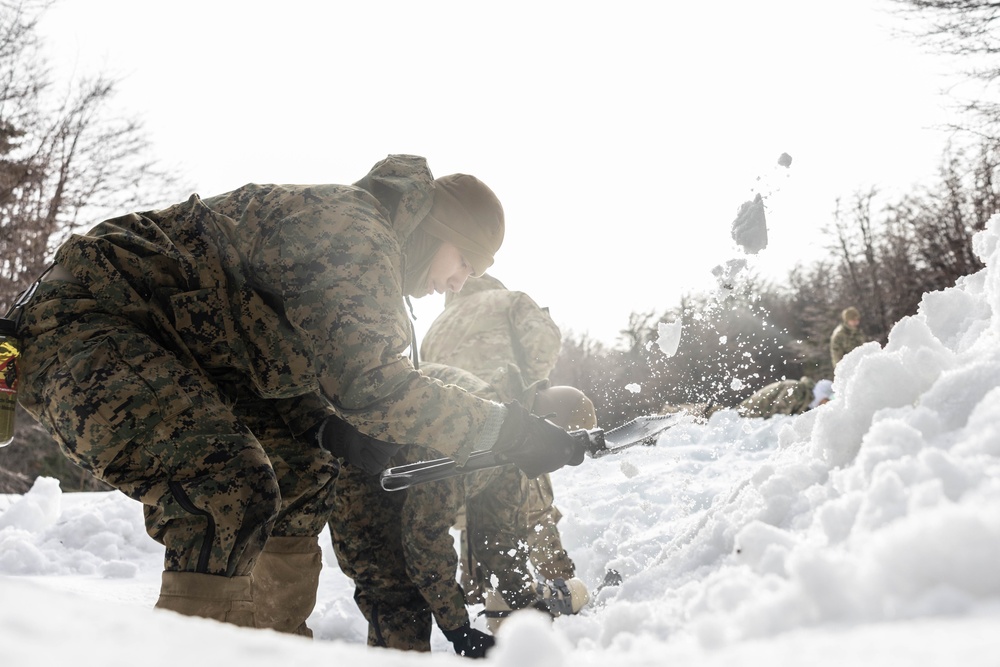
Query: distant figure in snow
847 335
784 397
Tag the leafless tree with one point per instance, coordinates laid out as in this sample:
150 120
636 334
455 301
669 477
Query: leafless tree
66 158
968 30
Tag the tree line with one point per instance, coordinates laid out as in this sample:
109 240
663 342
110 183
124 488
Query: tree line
67 156
735 341
881 261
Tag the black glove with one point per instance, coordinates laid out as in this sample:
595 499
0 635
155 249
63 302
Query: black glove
470 642
536 445
357 449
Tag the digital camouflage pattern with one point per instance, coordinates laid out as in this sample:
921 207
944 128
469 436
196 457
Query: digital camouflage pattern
545 547
785 397
216 473
366 530
486 326
178 353
498 335
397 546
495 504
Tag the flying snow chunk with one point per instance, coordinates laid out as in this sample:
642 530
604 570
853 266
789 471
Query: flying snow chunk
633 387
669 337
726 275
750 226
785 159
628 469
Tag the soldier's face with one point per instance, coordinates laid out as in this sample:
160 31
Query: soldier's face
448 271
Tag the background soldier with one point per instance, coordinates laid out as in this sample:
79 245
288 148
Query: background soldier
398 549
486 329
784 397
847 335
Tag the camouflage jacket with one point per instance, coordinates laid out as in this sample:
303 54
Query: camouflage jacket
486 326
785 397
843 340
290 289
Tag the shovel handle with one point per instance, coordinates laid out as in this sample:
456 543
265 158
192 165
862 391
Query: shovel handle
405 476
402 477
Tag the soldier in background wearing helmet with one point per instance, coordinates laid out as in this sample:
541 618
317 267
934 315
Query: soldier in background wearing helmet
217 359
847 335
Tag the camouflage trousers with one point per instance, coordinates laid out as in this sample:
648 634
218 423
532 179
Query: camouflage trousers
398 550
217 469
544 542
510 537
366 530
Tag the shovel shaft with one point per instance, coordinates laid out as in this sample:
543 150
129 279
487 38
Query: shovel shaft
596 442
405 476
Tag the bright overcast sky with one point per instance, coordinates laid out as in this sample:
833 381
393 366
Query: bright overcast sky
620 137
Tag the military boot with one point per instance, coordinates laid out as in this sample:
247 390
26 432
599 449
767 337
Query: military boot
285 580
226 599
496 610
562 596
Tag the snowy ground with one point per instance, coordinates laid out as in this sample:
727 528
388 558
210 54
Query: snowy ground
866 531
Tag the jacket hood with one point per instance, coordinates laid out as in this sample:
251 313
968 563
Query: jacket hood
403 184
474 285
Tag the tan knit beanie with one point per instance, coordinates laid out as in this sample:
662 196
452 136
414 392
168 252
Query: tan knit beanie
468 215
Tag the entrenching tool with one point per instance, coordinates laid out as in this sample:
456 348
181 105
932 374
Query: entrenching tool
597 441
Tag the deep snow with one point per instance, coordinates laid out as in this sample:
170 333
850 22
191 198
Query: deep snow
866 531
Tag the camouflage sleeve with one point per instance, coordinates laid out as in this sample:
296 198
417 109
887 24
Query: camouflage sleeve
787 401
762 402
537 337
333 261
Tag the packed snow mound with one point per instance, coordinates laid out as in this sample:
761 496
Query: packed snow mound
864 531
877 507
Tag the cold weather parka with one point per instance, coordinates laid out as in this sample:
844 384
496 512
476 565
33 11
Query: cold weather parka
486 326
844 339
289 289
785 397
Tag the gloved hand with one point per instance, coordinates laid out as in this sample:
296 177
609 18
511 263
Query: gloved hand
470 642
356 448
536 445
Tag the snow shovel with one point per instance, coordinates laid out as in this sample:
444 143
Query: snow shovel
598 443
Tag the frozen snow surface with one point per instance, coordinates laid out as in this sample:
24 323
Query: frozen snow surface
863 532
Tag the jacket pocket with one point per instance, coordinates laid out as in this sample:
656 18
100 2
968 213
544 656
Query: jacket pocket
110 393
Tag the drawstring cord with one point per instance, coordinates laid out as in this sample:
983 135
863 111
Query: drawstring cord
22 299
414 355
